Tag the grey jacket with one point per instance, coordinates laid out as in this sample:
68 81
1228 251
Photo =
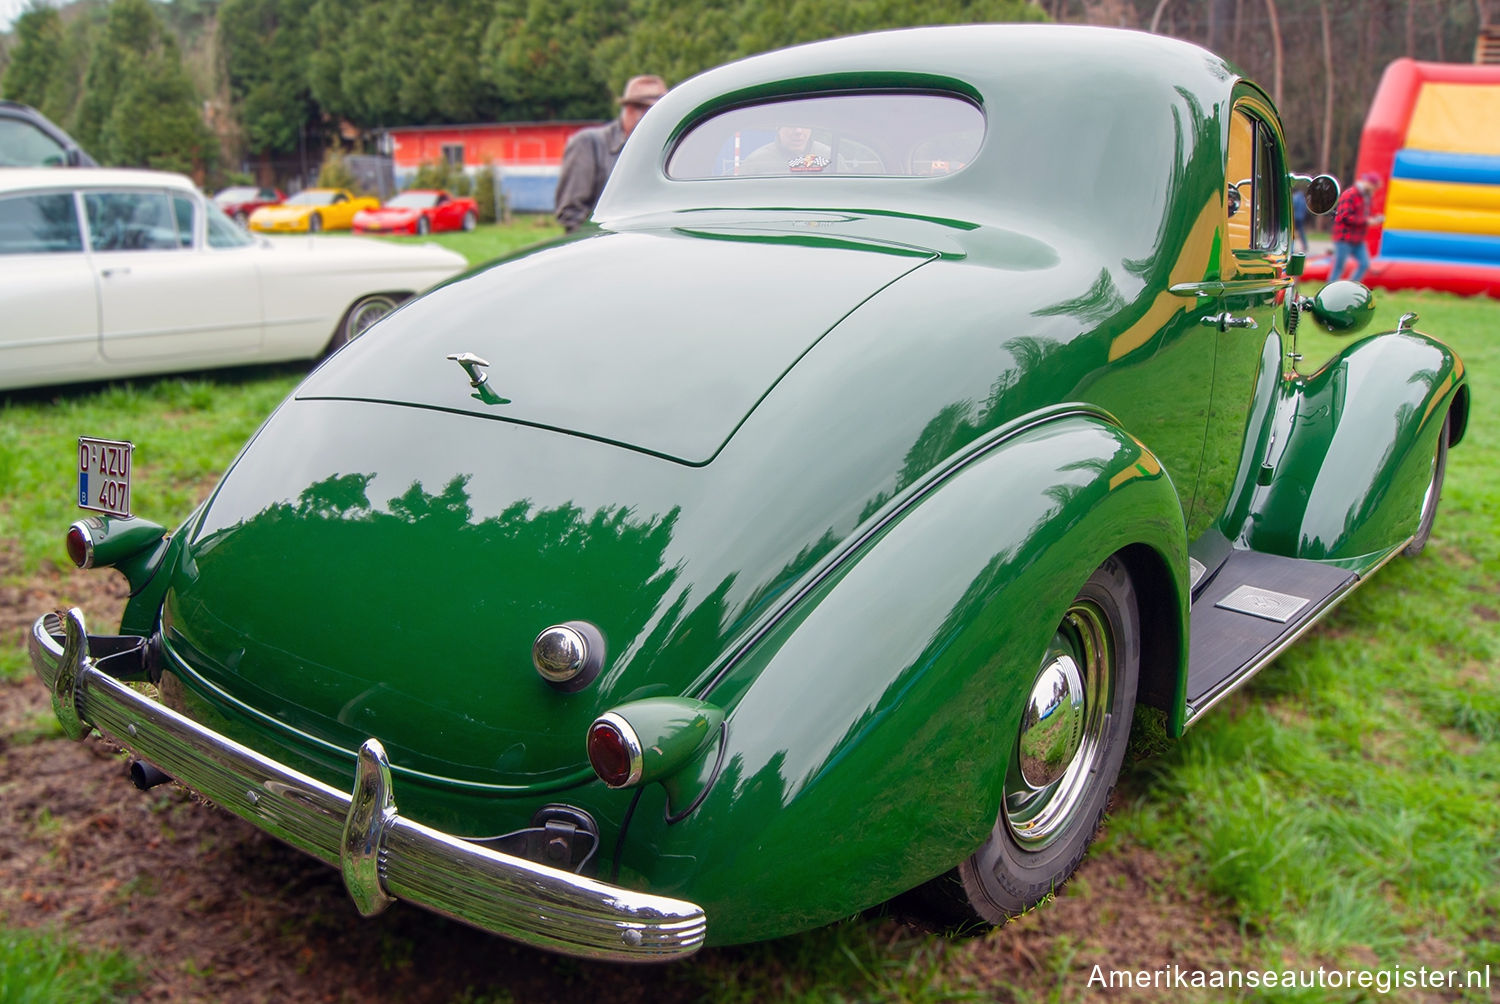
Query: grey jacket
587 160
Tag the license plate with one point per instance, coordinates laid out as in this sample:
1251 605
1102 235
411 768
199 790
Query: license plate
104 475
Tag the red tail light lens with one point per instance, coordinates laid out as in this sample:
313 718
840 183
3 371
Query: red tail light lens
78 546
614 751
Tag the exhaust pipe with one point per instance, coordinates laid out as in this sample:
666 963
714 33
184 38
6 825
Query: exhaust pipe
146 776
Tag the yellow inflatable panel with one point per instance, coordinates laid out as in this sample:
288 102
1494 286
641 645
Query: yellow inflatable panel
1441 195
1448 221
1456 118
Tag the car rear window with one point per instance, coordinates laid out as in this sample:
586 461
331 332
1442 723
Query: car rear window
874 135
39 224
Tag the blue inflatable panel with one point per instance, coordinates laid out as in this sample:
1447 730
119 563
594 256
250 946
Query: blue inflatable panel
1429 165
529 193
1452 247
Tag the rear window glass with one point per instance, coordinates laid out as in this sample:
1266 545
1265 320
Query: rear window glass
39 224
875 135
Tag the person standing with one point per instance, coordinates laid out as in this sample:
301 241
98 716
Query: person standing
591 153
1351 223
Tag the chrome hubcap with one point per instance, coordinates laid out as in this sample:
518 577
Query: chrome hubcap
1062 728
367 315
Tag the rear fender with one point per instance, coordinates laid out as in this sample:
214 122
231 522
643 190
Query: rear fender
869 729
1342 473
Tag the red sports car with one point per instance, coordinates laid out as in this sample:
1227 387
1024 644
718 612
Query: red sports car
418 211
239 201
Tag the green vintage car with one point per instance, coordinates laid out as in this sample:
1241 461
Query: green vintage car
805 533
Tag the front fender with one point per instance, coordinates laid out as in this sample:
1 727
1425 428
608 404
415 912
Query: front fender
869 729
1343 474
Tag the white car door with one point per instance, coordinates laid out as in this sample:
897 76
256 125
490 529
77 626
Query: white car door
49 312
162 296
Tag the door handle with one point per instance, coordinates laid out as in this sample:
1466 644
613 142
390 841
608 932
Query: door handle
1226 320
118 270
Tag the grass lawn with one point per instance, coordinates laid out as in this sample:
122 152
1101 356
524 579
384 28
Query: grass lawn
491 241
1341 810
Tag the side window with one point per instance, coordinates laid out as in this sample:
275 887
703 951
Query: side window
222 232
182 210
130 221
1239 179
39 224
24 145
1253 185
1269 180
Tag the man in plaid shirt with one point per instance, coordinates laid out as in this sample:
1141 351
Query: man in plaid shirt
1351 222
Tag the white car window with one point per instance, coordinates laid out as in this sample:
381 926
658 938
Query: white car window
224 232
39 224
131 221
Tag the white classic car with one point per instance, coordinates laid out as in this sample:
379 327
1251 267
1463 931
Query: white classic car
112 273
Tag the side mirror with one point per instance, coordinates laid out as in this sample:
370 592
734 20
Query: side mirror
1341 308
1322 195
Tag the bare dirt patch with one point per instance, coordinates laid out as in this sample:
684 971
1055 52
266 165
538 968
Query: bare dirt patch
216 910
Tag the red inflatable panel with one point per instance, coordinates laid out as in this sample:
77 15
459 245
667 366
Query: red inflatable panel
1463 278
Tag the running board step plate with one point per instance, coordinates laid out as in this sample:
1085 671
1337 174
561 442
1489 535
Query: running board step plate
1256 605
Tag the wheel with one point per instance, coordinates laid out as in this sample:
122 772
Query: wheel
364 313
242 218
314 223
470 221
423 226
1063 761
1430 497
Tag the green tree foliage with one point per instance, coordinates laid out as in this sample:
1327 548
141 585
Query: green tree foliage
442 174
138 107
542 56
335 173
678 39
397 62
486 194
266 46
36 58
48 57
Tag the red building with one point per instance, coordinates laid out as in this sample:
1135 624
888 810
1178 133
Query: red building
526 155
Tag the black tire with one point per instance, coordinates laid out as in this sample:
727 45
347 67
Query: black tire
470 222
423 227
358 318
1431 497
314 223
1054 799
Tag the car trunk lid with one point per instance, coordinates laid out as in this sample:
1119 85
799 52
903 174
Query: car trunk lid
660 341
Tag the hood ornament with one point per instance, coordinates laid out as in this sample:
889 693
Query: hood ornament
472 365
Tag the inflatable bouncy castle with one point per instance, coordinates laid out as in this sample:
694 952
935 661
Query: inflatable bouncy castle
1433 137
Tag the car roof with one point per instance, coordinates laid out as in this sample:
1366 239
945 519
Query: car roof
16 179
1059 102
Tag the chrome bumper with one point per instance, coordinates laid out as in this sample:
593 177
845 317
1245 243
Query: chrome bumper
383 856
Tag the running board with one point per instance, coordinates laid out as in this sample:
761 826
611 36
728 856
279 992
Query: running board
1255 606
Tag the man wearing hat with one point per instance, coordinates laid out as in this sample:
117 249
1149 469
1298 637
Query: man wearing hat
1351 222
591 153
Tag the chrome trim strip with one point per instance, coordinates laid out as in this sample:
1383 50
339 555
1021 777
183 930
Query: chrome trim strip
1269 656
509 896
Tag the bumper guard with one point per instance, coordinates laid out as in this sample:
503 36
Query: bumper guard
383 856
